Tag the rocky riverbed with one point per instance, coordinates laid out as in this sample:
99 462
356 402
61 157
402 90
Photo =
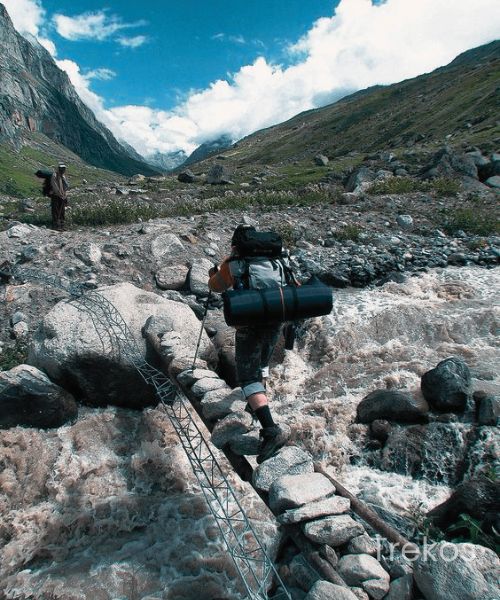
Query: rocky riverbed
111 490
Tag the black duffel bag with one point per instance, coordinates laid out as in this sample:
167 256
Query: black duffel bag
277 304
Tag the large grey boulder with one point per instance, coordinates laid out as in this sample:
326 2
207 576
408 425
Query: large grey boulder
324 590
30 399
334 531
76 347
290 460
458 572
401 588
171 277
89 253
393 405
447 387
447 162
291 491
186 176
218 174
216 404
360 180
230 427
363 570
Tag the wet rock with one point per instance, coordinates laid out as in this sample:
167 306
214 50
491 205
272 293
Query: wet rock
488 408
88 253
229 427
291 491
324 590
321 160
380 430
334 531
75 351
401 588
186 176
437 452
457 571
335 505
28 398
478 497
290 460
172 277
362 544
198 277
447 387
218 403
393 405
166 245
365 571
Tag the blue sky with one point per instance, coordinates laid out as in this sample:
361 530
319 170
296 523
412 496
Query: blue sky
168 75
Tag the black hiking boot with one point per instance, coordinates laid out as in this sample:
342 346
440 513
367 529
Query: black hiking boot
273 438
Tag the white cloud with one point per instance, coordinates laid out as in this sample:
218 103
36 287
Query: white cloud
26 15
132 42
96 25
102 74
362 44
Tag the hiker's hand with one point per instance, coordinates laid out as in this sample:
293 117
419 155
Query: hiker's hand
213 270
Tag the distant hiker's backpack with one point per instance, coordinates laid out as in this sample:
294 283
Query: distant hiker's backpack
46 175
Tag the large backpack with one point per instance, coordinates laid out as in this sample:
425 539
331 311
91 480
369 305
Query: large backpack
46 175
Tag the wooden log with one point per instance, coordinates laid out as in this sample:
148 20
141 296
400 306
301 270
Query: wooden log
407 548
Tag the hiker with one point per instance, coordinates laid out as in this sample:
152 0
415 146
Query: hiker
56 189
254 344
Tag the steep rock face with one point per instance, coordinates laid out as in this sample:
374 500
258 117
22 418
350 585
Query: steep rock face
35 95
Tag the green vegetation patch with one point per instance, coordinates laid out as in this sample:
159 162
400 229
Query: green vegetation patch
475 220
11 356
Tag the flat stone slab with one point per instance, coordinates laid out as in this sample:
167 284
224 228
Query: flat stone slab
290 460
218 403
365 571
246 444
207 384
334 531
292 491
334 505
191 376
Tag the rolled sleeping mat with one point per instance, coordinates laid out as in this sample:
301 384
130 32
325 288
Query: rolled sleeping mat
43 173
277 304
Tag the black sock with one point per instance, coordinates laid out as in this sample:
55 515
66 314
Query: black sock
264 415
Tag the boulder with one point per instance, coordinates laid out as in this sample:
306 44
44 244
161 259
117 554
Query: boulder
321 160
28 398
88 253
218 403
334 531
171 277
447 387
362 544
493 182
198 277
291 491
324 590
186 176
365 571
393 405
166 246
359 180
405 221
208 384
447 162
458 571
218 174
487 407
75 346
302 572
401 588
334 505
230 427
290 460
478 497
245 444
380 430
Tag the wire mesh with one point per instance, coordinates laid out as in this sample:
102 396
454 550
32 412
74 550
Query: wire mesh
255 567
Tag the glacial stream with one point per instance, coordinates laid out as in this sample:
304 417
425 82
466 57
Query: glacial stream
388 337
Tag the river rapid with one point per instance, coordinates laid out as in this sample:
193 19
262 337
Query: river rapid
388 337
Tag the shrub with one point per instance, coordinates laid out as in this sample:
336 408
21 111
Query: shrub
349 232
11 356
445 186
471 221
397 185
